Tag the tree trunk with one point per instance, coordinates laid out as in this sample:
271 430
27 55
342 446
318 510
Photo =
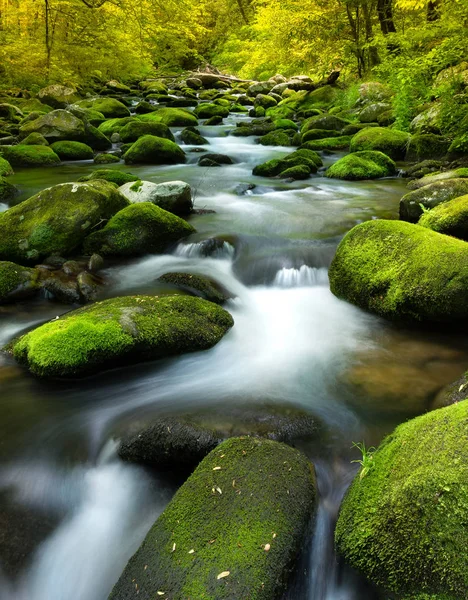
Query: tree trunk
373 54
48 43
433 11
242 11
385 14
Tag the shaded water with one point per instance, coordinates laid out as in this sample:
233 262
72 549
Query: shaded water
293 342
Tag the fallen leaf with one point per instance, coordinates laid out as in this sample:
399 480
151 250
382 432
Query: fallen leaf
218 489
173 548
267 547
216 468
191 551
223 575
160 593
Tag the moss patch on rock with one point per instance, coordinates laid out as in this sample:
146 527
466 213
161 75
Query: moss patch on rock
134 130
5 168
402 272
7 190
199 285
138 229
154 150
30 156
329 143
121 331
362 165
426 145
232 530
391 142
113 175
403 524
450 218
277 166
172 117
72 150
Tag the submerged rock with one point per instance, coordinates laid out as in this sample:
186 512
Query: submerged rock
199 285
391 142
138 229
56 220
121 331
402 272
401 520
173 196
430 196
233 530
362 165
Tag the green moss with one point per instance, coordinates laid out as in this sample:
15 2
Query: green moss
278 137
402 272
115 125
430 196
56 220
245 494
113 175
285 124
433 177
450 218
327 122
319 134
72 150
362 165
7 190
193 138
121 330
199 284
206 111
329 143
55 126
134 130
5 168
154 150
106 159
276 166
405 524
426 145
302 101
34 139
391 142
16 282
29 156
237 108
297 172
172 117
265 101
96 139
138 229
137 185
110 108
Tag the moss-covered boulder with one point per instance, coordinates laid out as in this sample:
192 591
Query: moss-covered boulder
134 130
199 285
154 150
96 139
403 522
297 172
113 175
56 220
72 150
34 139
402 272
327 122
265 101
207 110
5 168
121 331
192 136
233 530
111 126
391 142
172 117
136 230
277 166
16 282
319 134
106 159
58 96
329 143
173 196
450 218
11 113
279 137
411 205
302 101
428 178
29 156
110 108
7 190
362 165
425 146
56 125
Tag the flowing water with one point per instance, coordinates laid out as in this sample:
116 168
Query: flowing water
73 514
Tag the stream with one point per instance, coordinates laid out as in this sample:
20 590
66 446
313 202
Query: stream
72 513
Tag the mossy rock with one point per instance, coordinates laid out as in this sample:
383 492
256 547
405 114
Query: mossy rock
136 230
207 110
217 120
106 159
461 173
110 108
172 117
264 101
11 113
354 128
362 165
319 134
72 150
297 172
402 272
34 139
193 138
275 167
58 96
425 146
327 122
301 101
111 126
233 530
56 220
16 282
134 130
329 143
199 285
403 522
29 156
121 331
55 126
430 196
7 190
5 168
173 196
154 150
96 139
449 218
279 137
391 142
113 175
285 124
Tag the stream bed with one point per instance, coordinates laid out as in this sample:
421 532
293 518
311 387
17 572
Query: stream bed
72 513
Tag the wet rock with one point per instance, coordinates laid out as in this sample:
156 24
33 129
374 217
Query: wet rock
154 150
426 146
391 142
16 282
72 150
449 218
216 120
71 267
56 125
106 159
120 178
88 286
277 167
430 196
461 173
425 167
198 285
63 288
192 136
215 160
95 263
121 331
7 190
134 130
208 110
192 550
362 165
58 96
173 196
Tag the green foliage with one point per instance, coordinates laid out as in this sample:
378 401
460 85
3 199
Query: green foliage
367 461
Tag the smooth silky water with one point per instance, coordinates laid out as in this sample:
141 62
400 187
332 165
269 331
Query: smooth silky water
79 512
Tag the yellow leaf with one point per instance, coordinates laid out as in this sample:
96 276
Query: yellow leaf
223 575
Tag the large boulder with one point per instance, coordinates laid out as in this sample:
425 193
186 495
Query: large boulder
134 130
233 530
362 165
427 179
56 220
56 125
138 229
173 196
425 146
58 96
30 156
121 331
16 282
154 150
402 272
412 204
110 108
330 143
402 522
371 112
206 111
450 218
111 126
327 122
391 142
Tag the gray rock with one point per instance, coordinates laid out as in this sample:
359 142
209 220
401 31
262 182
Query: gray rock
173 196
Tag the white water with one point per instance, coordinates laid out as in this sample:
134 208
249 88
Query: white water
303 277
